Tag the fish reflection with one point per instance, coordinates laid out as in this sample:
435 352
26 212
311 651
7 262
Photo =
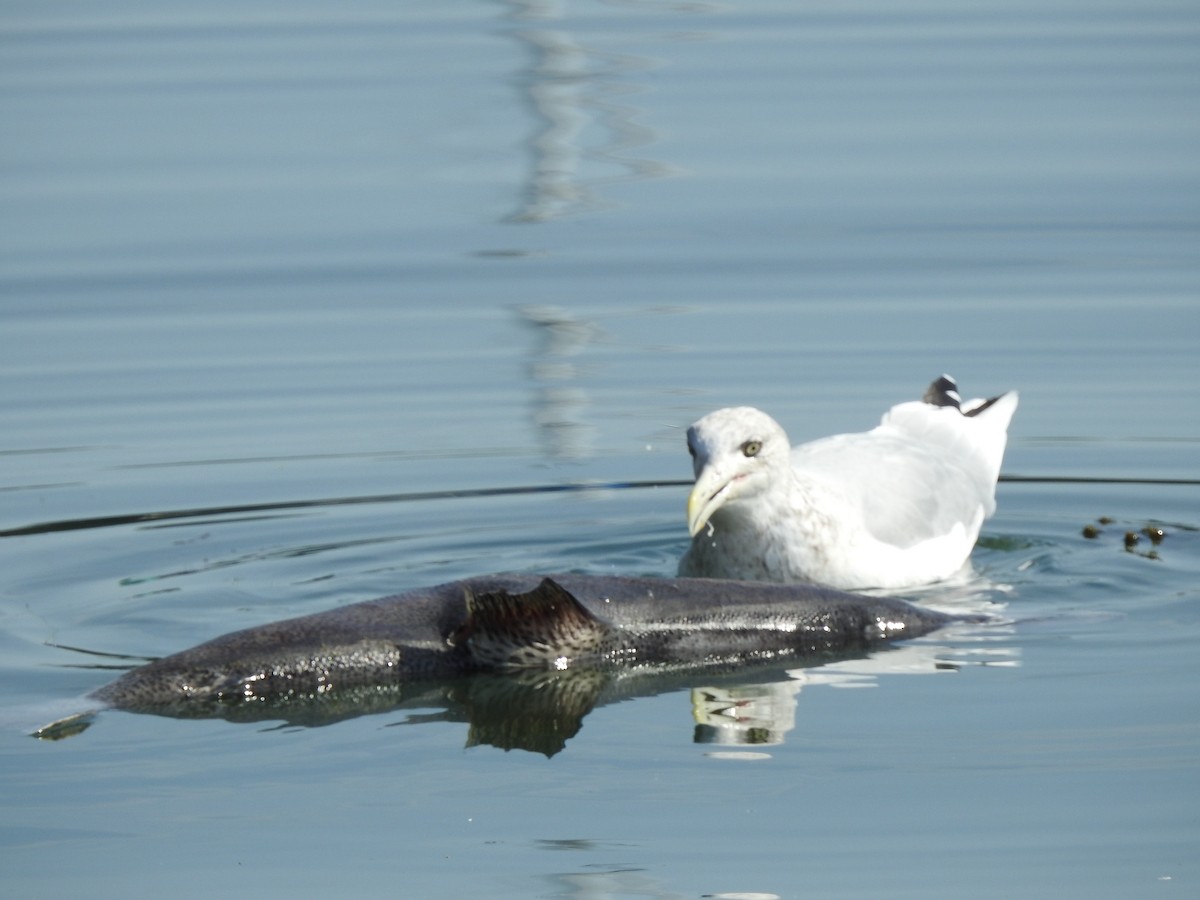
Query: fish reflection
540 711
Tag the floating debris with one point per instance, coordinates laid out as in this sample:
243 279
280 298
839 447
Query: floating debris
1155 534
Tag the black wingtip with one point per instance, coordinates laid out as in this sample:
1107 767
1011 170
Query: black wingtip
943 392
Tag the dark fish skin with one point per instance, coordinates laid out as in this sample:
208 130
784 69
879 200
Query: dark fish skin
521 622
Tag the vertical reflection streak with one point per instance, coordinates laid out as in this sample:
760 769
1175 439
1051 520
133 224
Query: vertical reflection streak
575 93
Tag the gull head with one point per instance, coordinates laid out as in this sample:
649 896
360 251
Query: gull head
735 455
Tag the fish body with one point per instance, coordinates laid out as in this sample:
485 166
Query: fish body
520 623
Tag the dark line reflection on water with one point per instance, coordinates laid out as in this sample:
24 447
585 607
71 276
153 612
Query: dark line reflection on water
475 493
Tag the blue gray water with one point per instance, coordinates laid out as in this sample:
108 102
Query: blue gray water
291 294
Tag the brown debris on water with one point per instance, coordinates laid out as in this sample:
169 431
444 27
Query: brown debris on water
1156 534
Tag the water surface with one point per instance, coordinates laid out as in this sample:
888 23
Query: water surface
296 301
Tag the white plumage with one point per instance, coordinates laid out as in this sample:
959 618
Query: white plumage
897 506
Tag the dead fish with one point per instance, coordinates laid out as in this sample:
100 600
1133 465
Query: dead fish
512 624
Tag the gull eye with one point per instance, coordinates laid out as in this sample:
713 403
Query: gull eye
751 448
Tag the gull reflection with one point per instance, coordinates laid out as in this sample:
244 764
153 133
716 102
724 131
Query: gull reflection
586 131
604 885
761 715
558 402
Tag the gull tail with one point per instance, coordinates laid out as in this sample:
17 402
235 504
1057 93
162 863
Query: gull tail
944 392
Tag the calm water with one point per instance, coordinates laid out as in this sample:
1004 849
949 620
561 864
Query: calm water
286 286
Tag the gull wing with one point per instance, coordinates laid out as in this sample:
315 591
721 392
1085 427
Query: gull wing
920 474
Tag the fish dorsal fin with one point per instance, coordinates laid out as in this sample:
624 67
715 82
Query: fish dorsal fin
543 628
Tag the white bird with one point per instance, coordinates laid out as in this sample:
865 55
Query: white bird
897 506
